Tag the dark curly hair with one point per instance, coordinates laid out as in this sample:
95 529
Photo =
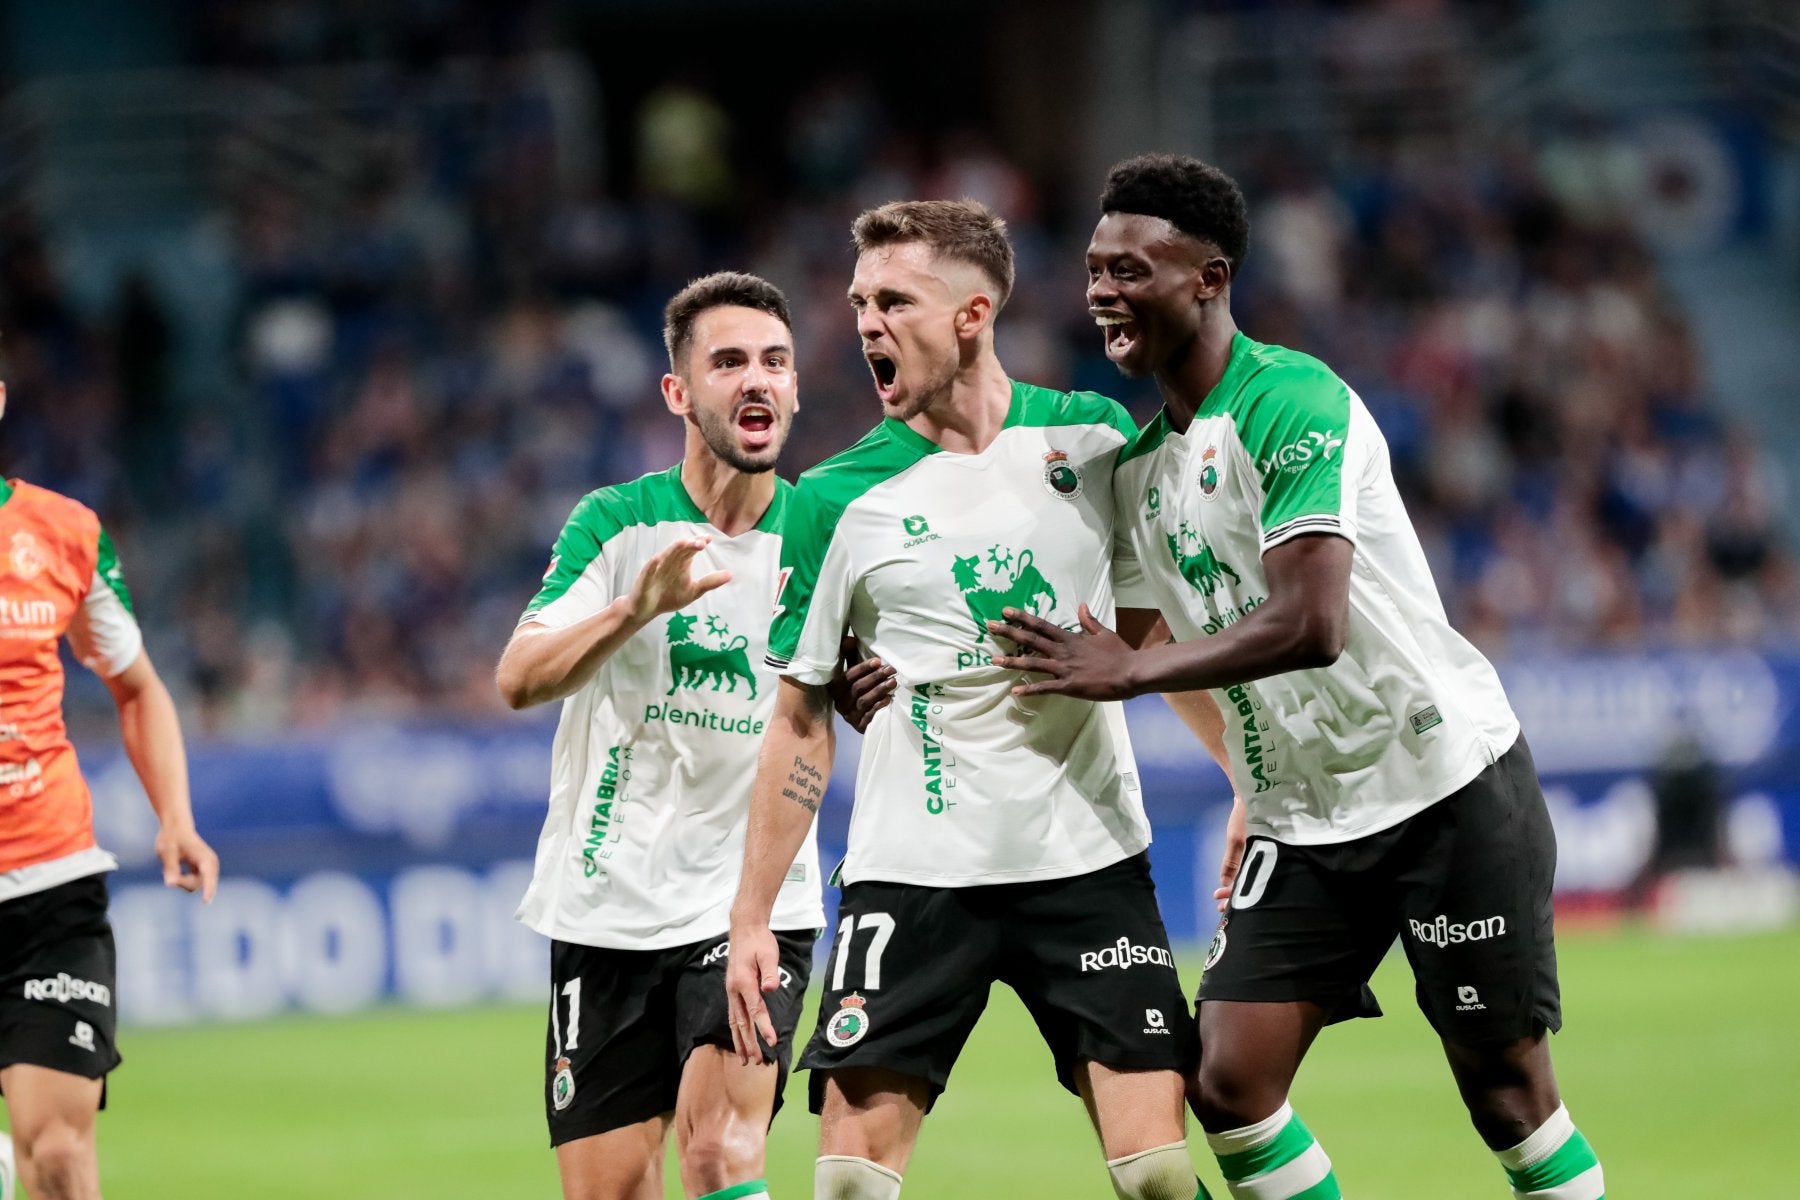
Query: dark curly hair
1195 197
719 290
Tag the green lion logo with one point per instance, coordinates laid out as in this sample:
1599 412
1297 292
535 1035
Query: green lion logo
693 663
1204 570
1025 587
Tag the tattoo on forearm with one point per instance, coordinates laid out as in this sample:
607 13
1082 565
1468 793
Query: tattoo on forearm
805 785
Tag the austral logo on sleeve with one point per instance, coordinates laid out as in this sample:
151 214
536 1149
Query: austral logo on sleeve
700 667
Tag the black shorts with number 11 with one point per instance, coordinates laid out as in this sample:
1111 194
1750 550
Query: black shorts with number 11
1088 955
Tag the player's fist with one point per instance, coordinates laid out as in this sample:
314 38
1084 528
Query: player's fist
860 687
752 967
188 862
666 583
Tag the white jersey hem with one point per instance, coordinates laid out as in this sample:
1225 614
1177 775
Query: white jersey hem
850 875
1389 817
41 877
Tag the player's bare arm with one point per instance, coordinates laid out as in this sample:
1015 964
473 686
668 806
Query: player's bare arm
1303 625
791 772
151 731
541 664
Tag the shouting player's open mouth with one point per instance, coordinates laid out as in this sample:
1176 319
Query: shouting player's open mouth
886 373
1121 332
756 425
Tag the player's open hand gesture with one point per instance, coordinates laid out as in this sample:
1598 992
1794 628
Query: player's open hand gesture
188 862
752 967
666 584
1090 665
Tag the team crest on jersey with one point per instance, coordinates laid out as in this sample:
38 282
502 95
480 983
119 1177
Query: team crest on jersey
849 1024
1061 477
1004 579
1216 951
562 1085
1209 472
28 561
694 664
1200 567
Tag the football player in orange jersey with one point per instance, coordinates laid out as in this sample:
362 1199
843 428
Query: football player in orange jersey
60 578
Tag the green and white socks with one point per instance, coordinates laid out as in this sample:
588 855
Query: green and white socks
741 1191
1555 1163
1274 1159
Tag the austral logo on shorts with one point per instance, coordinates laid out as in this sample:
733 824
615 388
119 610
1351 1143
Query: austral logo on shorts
1125 954
1442 932
65 987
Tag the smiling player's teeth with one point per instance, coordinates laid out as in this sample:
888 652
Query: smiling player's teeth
1110 319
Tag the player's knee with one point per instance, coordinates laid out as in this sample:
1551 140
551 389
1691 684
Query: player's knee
60 1156
721 1154
1162 1173
843 1177
1223 1098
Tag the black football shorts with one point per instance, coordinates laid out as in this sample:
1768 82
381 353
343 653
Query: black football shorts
58 979
1465 885
911 967
623 1022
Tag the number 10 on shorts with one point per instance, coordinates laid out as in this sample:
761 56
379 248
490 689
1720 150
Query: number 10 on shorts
881 926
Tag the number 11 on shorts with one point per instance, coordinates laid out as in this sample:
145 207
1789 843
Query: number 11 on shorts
882 926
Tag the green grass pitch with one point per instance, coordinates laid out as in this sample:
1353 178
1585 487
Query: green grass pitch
1680 1063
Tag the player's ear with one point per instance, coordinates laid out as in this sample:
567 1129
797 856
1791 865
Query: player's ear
1213 278
674 390
975 315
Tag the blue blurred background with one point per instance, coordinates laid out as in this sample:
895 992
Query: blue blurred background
333 315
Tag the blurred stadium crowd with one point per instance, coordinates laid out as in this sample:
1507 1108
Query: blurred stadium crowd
431 373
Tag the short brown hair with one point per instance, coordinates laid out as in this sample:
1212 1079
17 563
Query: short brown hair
723 289
965 231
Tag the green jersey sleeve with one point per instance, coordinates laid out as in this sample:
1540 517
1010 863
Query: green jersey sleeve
576 584
1299 425
812 600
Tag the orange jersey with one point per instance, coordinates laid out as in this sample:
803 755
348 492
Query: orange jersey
54 558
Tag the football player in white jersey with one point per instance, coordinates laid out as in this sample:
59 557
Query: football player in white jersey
651 628
990 841
1380 770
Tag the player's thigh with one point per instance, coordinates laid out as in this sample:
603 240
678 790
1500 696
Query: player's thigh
610 1045
58 972
1090 959
1132 1111
1303 924
40 1099
1478 924
724 1103
907 979
624 1163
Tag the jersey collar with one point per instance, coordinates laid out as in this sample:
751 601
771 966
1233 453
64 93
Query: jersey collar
906 435
769 522
6 489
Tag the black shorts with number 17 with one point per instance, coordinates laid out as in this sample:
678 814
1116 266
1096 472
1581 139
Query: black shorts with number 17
1088 955
1465 886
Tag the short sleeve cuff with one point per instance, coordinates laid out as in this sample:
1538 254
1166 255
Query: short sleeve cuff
1313 523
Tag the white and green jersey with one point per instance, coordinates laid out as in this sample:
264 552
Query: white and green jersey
913 548
651 768
1410 711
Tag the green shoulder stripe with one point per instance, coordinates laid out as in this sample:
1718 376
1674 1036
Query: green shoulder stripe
1041 406
601 514
107 567
1293 416
1146 440
818 503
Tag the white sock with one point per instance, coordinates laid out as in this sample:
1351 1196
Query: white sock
845 1177
1160 1173
1554 1163
1274 1159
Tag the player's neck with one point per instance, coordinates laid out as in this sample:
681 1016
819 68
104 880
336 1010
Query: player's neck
1187 383
971 415
733 500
